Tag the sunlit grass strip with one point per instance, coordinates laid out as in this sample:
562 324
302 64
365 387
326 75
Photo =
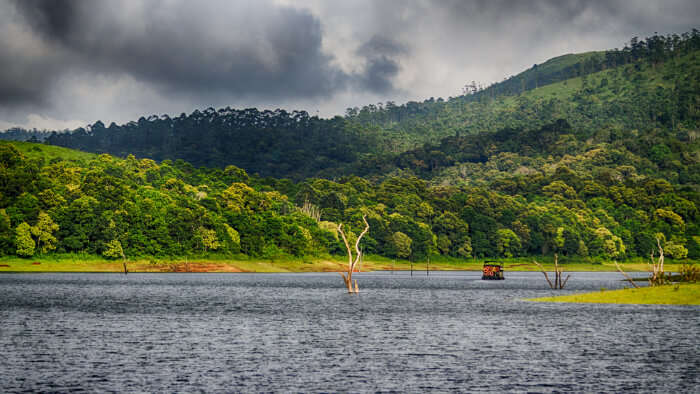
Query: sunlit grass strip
48 152
678 294
221 263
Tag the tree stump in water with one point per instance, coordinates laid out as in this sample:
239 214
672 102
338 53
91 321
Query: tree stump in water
558 284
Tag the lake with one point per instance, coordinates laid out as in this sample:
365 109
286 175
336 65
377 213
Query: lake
448 331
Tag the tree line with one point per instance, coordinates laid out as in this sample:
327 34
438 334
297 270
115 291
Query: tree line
271 143
106 205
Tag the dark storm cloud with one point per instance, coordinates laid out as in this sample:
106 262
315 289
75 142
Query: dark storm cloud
82 59
258 49
382 63
283 57
54 19
21 85
29 67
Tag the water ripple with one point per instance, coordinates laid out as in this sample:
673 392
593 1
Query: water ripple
301 332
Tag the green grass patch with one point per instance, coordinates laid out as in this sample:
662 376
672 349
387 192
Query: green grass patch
674 294
241 263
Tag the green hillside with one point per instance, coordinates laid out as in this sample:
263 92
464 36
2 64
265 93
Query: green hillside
640 95
60 200
640 115
591 156
647 86
50 153
107 205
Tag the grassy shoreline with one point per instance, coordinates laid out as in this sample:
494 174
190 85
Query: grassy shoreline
673 294
88 263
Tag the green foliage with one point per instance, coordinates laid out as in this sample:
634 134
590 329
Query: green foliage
675 250
113 250
232 238
149 209
562 209
23 240
264 142
401 244
208 239
607 243
7 236
43 232
507 243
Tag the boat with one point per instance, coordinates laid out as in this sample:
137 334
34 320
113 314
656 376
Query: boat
492 270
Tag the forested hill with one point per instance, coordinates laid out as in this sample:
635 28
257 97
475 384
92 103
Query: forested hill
272 143
59 200
650 85
495 159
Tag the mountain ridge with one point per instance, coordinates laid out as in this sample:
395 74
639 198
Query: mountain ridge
531 99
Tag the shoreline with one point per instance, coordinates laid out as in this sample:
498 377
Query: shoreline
90 264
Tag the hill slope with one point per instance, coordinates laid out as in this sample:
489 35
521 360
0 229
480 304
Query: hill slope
594 166
650 85
104 205
639 95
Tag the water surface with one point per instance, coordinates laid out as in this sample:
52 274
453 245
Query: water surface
449 331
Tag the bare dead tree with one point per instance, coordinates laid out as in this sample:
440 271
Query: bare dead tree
544 272
558 271
352 262
625 275
657 276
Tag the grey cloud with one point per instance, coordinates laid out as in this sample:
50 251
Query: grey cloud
285 60
54 19
638 16
382 46
492 39
21 83
27 66
382 63
257 49
177 51
81 59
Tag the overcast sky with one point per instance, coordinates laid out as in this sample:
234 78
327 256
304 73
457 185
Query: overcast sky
70 63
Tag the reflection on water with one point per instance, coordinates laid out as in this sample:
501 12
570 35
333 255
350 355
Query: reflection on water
302 332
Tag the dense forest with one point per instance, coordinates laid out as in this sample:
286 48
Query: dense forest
590 156
273 143
102 204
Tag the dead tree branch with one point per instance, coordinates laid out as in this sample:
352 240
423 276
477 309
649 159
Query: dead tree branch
625 275
551 286
558 271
